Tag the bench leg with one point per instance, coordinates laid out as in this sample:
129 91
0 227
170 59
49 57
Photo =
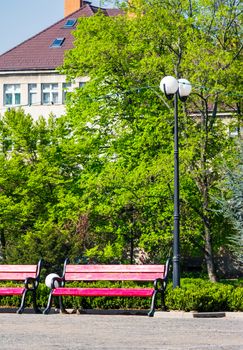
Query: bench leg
48 308
21 308
153 304
163 306
61 305
35 307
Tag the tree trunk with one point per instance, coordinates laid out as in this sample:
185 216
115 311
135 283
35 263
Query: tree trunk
131 248
207 233
3 244
209 256
204 188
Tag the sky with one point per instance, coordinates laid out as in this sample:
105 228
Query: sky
21 19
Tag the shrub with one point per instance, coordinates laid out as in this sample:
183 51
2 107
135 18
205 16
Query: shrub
235 300
194 295
201 295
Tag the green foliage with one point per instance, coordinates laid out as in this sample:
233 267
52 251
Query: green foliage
201 295
231 202
125 127
39 195
97 184
235 300
218 297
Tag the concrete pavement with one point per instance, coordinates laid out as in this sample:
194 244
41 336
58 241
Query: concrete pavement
173 331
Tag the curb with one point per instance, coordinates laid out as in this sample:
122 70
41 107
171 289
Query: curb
208 314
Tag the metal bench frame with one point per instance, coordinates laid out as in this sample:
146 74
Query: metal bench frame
156 273
29 275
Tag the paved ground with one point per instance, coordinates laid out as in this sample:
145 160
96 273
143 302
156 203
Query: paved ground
119 332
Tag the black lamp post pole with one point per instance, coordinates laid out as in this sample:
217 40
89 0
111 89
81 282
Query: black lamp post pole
176 246
180 88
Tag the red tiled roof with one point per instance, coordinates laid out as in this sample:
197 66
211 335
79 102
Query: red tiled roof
113 12
36 53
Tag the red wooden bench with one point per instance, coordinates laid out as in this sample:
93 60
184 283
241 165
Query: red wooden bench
156 273
28 274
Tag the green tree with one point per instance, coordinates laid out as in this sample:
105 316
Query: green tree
39 195
216 52
124 127
232 202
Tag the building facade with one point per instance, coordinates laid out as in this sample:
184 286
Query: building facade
28 73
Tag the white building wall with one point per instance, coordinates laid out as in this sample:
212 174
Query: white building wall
39 78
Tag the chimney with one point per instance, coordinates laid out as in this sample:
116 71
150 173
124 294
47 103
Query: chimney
71 6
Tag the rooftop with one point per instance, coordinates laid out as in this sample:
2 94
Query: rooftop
40 52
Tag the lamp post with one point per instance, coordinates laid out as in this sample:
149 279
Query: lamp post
181 88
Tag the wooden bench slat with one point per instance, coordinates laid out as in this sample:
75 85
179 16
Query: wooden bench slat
16 276
104 292
115 268
15 268
116 276
11 291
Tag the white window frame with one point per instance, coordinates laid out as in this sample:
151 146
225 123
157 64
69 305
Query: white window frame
49 93
14 92
66 87
32 94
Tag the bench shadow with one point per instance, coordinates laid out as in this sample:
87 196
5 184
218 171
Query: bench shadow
12 310
111 312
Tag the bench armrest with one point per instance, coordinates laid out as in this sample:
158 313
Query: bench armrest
30 283
159 284
60 280
167 268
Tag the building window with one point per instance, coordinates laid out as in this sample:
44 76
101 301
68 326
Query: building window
58 42
12 96
66 87
70 23
49 94
32 88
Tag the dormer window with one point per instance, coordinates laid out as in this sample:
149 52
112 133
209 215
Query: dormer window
70 23
58 42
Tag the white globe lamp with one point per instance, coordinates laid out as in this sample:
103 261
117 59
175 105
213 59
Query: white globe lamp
169 86
49 279
185 89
